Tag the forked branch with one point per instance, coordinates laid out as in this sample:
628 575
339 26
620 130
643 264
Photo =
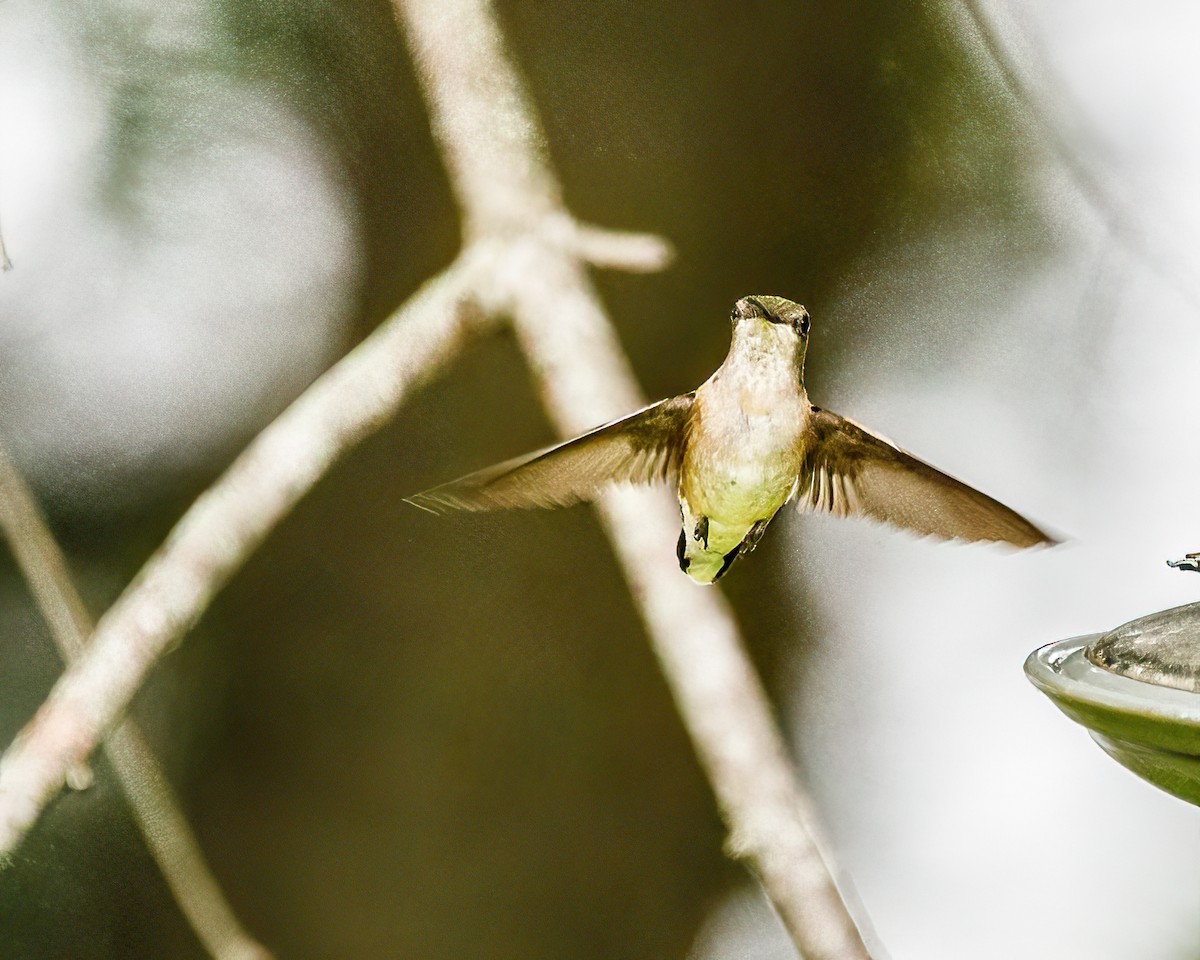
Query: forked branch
218 533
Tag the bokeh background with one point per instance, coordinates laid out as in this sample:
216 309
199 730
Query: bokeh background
405 736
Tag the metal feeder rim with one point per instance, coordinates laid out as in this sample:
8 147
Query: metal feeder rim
1061 670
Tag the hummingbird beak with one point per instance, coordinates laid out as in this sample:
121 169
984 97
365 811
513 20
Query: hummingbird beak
751 308
779 311
747 308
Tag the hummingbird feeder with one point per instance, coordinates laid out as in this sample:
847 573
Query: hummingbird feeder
1137 691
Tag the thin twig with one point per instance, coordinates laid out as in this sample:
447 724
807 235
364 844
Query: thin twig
151 799
501 176
613 250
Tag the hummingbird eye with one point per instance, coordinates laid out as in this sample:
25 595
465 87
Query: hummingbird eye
805 323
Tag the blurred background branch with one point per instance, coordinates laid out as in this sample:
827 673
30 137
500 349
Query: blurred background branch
214 538
162 823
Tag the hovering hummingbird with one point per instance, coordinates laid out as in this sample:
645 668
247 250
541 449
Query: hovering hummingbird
739 447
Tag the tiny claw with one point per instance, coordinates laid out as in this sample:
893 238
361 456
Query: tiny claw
754 534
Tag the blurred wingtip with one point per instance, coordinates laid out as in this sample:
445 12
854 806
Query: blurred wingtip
1027 535
1047 541
423 502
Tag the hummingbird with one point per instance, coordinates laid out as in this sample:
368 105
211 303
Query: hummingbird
739 447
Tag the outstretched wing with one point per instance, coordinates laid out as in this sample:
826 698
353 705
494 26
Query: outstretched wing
643 447
851 471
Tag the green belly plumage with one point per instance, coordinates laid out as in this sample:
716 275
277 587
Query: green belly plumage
724 515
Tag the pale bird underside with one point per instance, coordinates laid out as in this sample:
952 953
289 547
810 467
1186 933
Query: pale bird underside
833 465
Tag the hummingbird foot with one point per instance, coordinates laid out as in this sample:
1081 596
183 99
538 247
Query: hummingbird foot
681 552
754 534
701 531
1190 561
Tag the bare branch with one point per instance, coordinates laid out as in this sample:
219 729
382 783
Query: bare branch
223 527
150 797
498 171
617 250
42 563
176 850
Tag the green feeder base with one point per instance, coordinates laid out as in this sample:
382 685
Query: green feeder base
1152 729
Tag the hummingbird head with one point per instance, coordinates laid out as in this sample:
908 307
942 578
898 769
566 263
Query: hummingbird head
771 325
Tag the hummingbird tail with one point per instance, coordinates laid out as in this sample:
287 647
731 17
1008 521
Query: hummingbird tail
708 566
706 549
701 565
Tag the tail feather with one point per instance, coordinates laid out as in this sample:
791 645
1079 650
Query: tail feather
706 552
704 566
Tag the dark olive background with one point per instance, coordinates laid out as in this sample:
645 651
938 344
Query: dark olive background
443 738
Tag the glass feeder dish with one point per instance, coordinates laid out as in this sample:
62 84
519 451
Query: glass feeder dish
1137 691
